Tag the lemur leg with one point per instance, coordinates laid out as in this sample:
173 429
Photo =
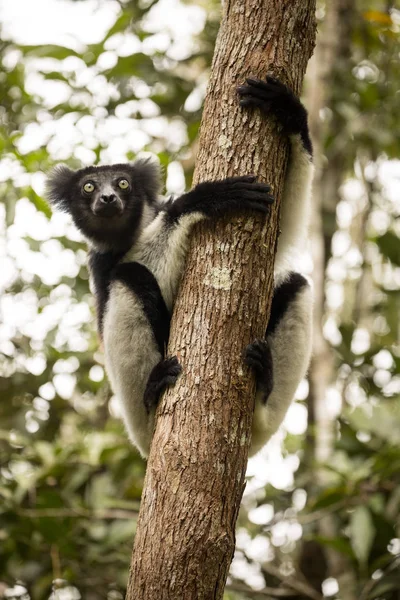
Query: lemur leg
136 329
273 97
285 353
163 245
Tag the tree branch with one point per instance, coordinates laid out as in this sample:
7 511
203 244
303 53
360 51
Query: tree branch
292 582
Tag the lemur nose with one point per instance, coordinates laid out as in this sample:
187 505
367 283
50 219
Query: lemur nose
108 199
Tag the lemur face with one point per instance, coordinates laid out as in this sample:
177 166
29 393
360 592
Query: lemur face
106 202
106 194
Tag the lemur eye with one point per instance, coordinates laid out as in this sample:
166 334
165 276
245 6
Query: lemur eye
88 187
123 184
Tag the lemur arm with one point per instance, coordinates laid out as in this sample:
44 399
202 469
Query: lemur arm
163 245
273 97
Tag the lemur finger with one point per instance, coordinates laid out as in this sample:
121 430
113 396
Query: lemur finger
258 196
254 362
258 356
264 105
254 187
258 351
255 101
172 361
267 93
252 359
259 83
269 81
268 86
260 87
168 380
257 206
172 368
275 82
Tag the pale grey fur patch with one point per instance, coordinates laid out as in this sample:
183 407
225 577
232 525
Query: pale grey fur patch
296 205
130 355
291 351
162 248
148 216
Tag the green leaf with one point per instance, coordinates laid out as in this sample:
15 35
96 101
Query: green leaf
40 204
49 51
121 25
390 583
329 496
338 543
389 245
362 533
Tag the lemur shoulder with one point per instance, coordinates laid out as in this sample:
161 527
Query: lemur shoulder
138 245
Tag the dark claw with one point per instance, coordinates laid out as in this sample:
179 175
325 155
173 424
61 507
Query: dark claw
273 80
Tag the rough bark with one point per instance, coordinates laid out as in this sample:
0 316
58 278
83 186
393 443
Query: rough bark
195 476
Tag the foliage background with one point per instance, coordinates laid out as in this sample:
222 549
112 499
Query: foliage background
320 516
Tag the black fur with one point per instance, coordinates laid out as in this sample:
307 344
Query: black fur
101 265
272 96
283 296
144 285
215 198
165 373
111 230
258 356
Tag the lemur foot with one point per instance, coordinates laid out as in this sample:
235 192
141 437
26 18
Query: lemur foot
258 356
165 373
216 198
272 96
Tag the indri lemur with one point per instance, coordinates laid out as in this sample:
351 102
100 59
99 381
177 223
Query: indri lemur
138 245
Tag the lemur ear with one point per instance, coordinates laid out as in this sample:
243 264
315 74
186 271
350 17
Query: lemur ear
58 186
146 174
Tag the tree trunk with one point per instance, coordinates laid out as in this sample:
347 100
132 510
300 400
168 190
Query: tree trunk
195 476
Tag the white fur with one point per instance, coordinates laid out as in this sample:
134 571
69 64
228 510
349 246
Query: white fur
162 248
296 205
291 350
130 355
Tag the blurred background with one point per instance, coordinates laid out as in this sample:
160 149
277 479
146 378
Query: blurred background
90 81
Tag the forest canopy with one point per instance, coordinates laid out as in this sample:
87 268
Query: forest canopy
104 83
